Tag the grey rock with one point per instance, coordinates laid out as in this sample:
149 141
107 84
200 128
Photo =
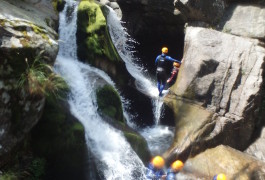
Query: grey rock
223 73
26 28
223 159
245 20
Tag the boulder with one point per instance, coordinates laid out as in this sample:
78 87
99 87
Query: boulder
94 43
26 28
190 119
203 10
245 20
223 159
223 73
110 108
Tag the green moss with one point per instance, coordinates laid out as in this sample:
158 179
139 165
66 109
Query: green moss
58 137
9 176
58 5
109 103
92 27
2 22
139 145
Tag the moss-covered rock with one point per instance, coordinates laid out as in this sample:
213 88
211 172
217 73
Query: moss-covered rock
59 139
58 4
92 25
94 42
109 103
24 33
139 145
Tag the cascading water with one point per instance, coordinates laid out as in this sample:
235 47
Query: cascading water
116 158
158 137
144 83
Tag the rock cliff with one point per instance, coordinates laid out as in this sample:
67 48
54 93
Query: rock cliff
26 29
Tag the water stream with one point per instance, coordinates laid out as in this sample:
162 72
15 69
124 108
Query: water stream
115 157
124 45
158 137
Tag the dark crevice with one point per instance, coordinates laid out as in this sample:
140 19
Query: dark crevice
208 67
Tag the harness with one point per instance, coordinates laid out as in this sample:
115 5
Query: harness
161 63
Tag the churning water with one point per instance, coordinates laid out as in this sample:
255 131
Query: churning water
116 158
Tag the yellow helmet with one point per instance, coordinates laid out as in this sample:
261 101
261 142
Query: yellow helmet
221 177
176 64
165 50
177 165
158 162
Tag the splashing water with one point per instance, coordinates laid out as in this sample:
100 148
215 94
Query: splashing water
143 82
158 138
116 158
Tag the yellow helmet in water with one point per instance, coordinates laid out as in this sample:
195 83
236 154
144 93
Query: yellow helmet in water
165 50
177 165
221 177
176 64
158 162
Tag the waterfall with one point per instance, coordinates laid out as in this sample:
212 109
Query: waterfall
115 157
144 83
158 137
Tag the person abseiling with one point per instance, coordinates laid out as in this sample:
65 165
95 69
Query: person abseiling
220 176
174 71
160 69
175 167
155 169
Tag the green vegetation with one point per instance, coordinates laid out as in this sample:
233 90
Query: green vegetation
59 139
93 33
109 103
94 44
58 4
39 79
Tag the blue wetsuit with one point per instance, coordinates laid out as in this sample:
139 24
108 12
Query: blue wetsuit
171 175
154 174
161 72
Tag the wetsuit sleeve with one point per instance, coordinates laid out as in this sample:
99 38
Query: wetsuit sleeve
172 59
156 60
150 174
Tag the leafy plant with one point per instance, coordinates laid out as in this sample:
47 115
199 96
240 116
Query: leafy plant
40 80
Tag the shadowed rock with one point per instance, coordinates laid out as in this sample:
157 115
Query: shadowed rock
26 28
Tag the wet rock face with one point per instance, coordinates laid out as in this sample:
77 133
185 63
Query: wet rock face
224 74
152 20
26 28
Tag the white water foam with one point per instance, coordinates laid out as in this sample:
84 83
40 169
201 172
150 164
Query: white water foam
117 159
158 138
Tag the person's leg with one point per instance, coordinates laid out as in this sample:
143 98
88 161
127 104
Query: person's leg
163 82
158 80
